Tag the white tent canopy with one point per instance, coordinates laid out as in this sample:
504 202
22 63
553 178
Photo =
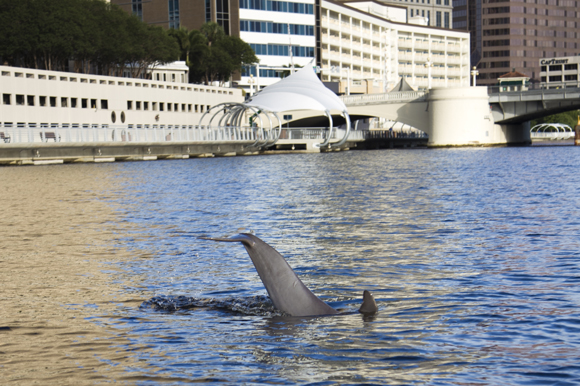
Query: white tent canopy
302 90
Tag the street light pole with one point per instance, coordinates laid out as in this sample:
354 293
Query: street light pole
429 64
474 73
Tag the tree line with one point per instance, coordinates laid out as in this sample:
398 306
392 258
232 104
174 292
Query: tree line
211 55
569 118
95 36
48 34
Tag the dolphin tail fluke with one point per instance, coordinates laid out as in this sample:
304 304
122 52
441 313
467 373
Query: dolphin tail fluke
369 306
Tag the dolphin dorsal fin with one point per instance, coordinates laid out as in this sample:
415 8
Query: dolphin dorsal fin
369 306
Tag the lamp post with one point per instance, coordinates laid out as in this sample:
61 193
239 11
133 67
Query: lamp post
474 73
429 65
251 82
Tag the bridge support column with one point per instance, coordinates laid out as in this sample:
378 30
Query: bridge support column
462 117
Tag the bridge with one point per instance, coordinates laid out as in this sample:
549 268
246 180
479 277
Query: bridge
468 115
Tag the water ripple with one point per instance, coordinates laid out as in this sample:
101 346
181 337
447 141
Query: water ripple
472 255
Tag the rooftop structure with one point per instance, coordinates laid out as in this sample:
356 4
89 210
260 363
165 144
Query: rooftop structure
436 13
513 81
560 72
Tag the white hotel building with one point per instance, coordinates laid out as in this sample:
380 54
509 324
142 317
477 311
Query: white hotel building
366 43
370 42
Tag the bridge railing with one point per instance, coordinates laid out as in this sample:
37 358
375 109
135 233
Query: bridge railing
351 100
494 91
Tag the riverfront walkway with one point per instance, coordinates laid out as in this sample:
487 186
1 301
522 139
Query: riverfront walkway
56 145
25 144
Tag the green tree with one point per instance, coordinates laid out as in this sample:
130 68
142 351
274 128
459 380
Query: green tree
214 56
285 73
569 118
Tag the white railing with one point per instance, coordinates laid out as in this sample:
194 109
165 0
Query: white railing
67 134
32 133
400 96
292 134
552 135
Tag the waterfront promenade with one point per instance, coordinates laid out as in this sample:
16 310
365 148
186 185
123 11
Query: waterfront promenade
43 145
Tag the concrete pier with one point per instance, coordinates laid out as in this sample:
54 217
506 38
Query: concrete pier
51 153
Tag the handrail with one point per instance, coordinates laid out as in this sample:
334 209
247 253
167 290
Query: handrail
68 134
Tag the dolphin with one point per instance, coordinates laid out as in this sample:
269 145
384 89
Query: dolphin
286 290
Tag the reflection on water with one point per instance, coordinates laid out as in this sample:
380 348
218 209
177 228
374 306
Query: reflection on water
472 255
57 238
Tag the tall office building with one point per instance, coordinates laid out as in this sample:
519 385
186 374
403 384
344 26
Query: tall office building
508 35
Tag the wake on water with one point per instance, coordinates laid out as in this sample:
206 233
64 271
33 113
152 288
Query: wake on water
255 305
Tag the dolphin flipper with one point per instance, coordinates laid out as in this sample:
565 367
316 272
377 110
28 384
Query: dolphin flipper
286 290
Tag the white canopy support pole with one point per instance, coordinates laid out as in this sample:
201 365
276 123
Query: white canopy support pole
327 139
269 131
343 140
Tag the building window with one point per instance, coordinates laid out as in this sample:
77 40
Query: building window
276 28
207 10
137 8
278 6
446 20
173 14
438 19
223 15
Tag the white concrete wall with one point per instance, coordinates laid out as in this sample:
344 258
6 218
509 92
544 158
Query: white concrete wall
116 91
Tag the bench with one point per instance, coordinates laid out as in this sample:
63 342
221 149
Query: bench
49 135
5 137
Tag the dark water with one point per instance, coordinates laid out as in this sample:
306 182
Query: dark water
473 256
